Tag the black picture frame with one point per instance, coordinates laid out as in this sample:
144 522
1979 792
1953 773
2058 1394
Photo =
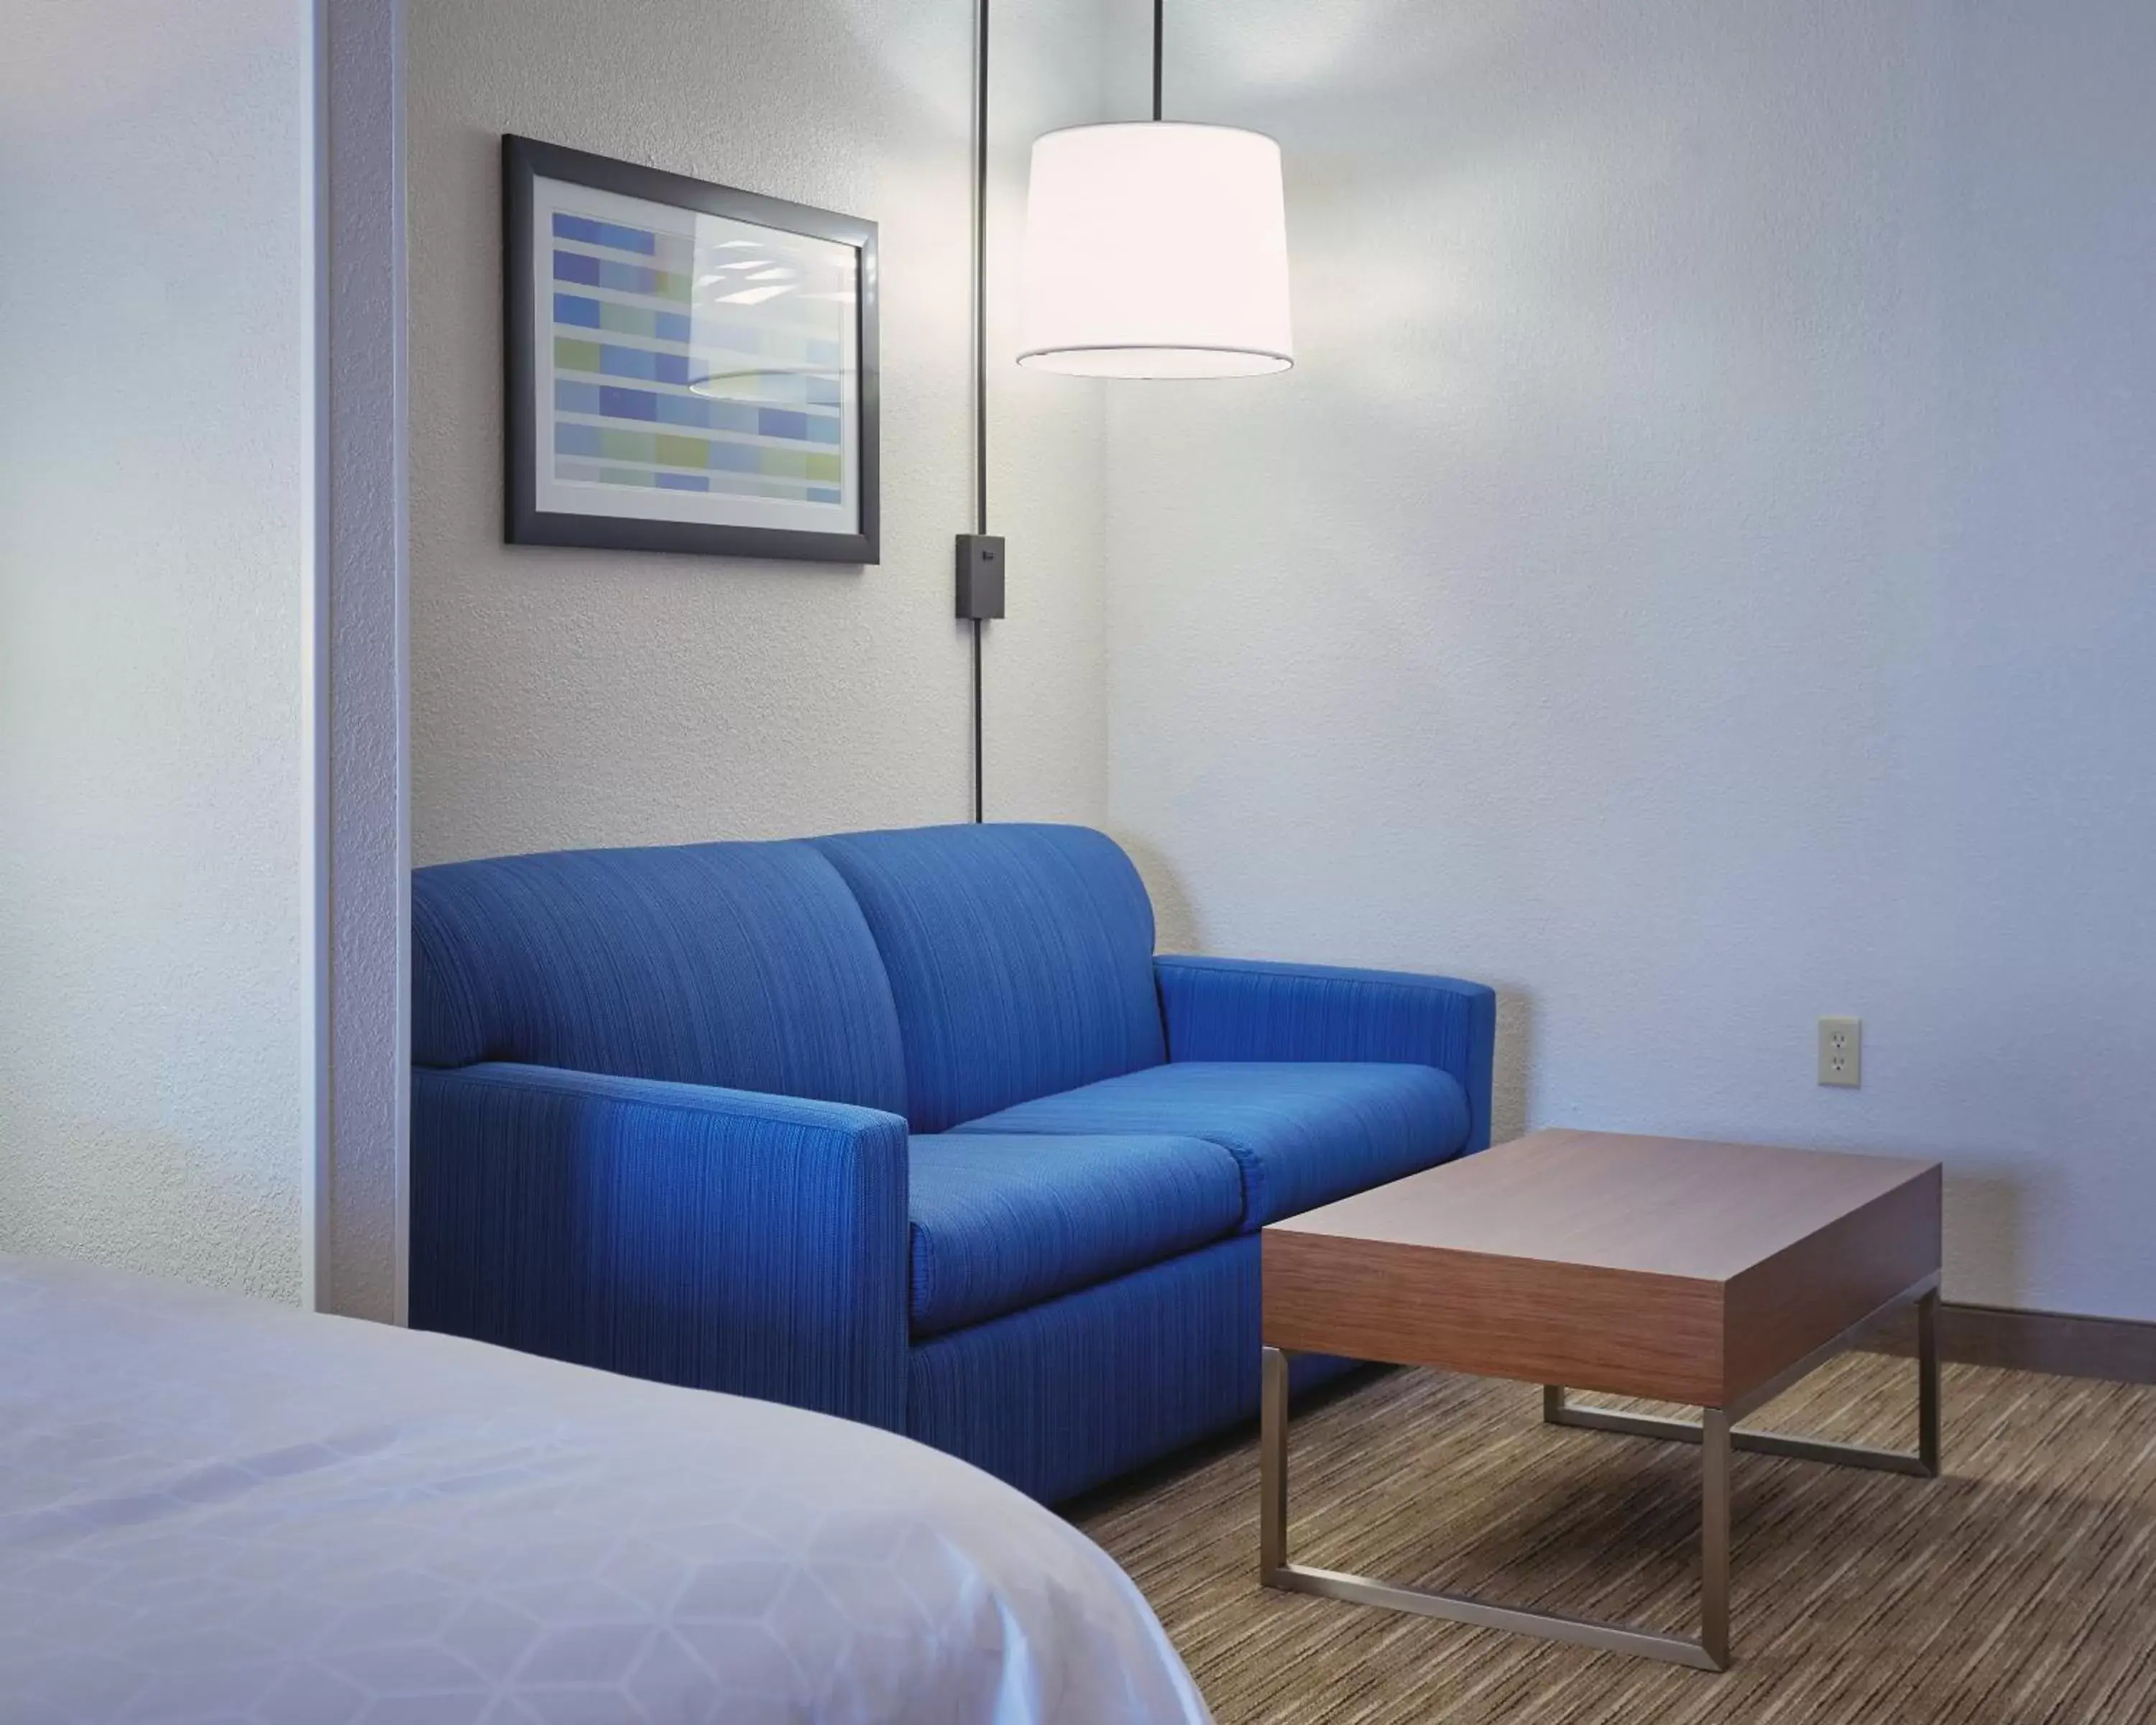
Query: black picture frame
522 160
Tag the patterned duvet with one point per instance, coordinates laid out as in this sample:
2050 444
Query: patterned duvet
217 1509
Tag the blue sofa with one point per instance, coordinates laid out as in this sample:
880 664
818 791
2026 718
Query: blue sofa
909 1126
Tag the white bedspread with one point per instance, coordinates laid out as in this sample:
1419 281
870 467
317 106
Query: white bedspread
213 1509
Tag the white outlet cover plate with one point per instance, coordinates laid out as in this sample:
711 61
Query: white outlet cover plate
1842 1052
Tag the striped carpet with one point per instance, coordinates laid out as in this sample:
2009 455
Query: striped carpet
2020 1587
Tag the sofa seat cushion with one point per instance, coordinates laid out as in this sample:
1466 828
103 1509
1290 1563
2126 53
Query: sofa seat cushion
1002 1222
1303 1133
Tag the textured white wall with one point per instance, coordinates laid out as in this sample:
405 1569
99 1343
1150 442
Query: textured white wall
362 1234
566 697
1699 576
151 573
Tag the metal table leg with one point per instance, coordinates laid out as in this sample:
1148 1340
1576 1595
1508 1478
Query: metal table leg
1710 1652
1714 1538
1714 1432
1927 1383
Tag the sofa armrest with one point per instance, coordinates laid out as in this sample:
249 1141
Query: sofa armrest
1243 1009
715 1238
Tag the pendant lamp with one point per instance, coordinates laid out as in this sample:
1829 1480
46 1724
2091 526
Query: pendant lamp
1156 248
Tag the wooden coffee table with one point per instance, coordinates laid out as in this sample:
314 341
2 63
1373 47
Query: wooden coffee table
1715 1275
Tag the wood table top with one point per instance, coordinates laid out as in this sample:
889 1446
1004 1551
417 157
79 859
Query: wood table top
1673 1268
1682 1207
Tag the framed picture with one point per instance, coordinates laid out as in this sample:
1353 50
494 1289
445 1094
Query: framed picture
688 367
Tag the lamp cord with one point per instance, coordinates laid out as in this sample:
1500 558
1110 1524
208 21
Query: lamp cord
980 357
1159 6
981 327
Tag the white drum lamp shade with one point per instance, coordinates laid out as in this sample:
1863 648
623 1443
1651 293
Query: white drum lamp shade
1156 248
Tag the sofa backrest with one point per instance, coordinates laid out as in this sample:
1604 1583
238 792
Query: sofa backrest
1020 958
747 966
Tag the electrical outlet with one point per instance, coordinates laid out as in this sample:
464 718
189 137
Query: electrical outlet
1842 1052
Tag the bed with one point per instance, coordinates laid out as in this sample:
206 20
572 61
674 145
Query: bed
216 1508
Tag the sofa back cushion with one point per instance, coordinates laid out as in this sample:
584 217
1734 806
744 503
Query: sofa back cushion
747 966
1020 958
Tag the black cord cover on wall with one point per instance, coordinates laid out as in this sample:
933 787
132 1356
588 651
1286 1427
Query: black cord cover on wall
980 553
980 359
980 568
1159 26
